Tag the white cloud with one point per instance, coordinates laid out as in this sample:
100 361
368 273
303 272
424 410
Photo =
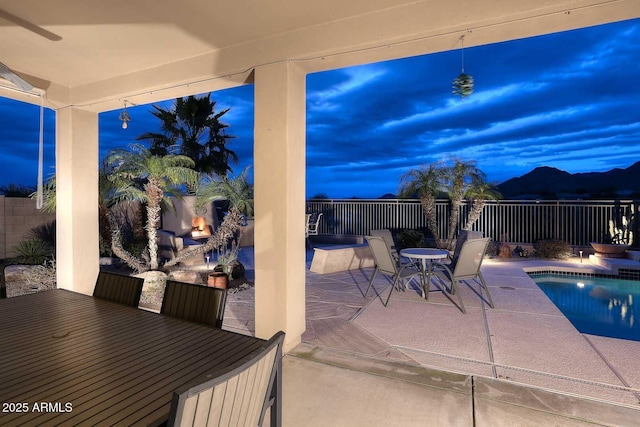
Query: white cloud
329 99
479 99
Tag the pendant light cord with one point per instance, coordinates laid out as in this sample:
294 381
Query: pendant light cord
462 51
39 190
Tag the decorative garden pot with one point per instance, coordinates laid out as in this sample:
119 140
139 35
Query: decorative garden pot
218 280
610 250
504 251
236 271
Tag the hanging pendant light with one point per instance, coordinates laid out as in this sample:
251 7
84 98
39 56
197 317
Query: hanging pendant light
463 84
124 117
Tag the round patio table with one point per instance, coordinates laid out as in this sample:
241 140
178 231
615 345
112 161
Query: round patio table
426 256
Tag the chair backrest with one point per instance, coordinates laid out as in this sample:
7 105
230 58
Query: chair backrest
381 255
238 395
463 235
195 303
119 288
470 259
388 239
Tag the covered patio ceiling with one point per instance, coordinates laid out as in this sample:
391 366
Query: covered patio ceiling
93 55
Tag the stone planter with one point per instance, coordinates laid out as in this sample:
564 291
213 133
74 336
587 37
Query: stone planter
609 250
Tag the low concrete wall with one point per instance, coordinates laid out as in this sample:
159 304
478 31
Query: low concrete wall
341 259
337 239
18 215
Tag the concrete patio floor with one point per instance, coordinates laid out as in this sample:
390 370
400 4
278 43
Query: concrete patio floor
420 362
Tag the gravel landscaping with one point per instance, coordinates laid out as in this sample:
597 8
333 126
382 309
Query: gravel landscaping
23 279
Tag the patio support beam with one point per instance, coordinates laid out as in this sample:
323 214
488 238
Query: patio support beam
279 176
77 252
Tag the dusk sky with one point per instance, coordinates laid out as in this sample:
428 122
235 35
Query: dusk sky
569 100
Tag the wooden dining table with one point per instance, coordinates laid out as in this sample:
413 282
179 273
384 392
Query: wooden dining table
72 359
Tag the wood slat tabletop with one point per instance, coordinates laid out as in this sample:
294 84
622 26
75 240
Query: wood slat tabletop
72 359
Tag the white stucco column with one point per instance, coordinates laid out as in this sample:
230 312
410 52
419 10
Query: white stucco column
77 253
279 184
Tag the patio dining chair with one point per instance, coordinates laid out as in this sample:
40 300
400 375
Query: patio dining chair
194 303
466 266
238 395
119 288
386 265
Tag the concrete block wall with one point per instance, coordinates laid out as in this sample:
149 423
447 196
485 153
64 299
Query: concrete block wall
18 215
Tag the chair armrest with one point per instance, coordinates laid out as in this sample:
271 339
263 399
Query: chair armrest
438 266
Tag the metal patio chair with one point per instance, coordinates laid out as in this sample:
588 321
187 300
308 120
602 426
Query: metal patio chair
466 266
119 288
389 267
463 235
388 239
312 226
236 396
195 303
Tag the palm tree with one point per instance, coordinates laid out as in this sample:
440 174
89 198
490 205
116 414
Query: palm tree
479 192
426 182
141 176
458 177
236 190
192 128
106 191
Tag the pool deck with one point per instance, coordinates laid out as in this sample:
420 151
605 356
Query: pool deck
520 363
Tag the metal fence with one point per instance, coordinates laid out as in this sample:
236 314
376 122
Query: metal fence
515 221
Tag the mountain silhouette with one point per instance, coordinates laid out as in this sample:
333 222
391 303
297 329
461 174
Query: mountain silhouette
548 183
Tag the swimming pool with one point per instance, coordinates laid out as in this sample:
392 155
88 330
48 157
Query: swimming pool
596 305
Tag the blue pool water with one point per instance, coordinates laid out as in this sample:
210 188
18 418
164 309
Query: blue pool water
596 306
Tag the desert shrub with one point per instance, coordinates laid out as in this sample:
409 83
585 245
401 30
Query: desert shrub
45 232
552 249
17 190
410 239
33 252
493 249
